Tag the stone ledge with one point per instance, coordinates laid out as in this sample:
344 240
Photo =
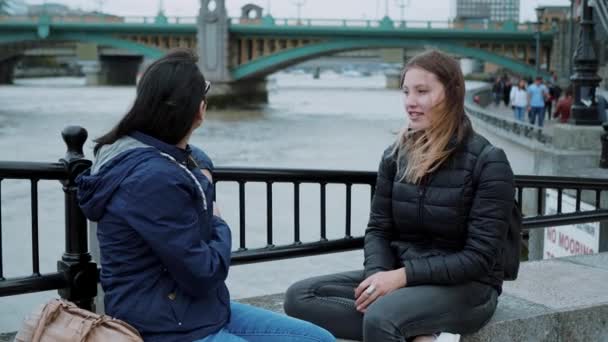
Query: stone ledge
582 324
558 300
273 302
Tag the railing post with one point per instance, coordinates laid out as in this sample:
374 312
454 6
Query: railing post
76 264
604 138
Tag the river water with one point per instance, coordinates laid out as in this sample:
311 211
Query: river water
335 122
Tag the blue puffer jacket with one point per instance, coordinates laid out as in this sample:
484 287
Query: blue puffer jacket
164 255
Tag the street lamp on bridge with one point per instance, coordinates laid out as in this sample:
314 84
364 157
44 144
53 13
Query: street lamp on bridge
402 5
539 17
585 79
299 4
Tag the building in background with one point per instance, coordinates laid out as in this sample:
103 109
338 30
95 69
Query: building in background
486 10
480 13
564 21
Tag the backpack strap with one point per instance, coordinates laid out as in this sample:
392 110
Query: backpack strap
479 163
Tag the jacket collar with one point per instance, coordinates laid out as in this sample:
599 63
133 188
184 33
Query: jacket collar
181 155
453 142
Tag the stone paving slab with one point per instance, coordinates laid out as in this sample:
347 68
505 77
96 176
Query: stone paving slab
584 324
559 284
273 302
533 322
513 308
595 260
575 325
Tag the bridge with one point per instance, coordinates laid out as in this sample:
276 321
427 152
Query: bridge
252 46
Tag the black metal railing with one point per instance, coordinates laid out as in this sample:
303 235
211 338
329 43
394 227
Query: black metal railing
536 186
296 178
563 186
76 275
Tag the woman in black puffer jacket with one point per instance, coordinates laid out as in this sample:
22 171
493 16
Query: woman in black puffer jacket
438 223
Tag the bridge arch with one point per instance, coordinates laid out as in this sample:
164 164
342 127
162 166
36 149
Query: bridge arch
268 64
145 50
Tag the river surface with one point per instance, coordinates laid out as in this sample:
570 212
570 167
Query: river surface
335 122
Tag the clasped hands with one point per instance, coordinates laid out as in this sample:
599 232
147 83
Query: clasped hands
377 285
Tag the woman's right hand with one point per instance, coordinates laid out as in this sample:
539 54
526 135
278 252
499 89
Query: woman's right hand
378 285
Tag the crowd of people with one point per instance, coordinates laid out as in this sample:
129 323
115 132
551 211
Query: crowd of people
537 99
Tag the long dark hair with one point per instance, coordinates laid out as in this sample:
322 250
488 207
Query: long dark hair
168 99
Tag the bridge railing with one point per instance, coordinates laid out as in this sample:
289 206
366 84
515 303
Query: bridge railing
76 275
387 24
342 23
160 20
93 19
61 19
505 123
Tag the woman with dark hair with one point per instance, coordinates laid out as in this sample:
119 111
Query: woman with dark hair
165 250
437 226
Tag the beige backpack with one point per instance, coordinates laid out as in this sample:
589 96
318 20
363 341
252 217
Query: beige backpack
62 321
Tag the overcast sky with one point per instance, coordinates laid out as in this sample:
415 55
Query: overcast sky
355 9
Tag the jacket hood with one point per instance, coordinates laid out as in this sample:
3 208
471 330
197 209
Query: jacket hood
112 165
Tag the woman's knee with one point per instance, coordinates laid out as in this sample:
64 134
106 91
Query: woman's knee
378 324
296 296
312 331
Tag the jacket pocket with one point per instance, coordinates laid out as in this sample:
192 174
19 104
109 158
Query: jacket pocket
178 302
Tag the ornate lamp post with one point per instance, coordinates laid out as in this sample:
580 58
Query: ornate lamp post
402 5
299 4
585 78
161 18
539 16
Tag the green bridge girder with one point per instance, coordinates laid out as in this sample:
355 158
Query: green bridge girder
336 39
263 66
100 39
447 34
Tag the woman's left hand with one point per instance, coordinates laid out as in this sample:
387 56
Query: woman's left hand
378 284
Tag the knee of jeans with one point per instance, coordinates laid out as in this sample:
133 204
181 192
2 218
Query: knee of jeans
376 322
294 296
319 334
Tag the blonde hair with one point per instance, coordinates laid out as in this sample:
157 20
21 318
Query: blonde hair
426 150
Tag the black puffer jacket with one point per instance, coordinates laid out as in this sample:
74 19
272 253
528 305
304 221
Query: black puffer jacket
450 229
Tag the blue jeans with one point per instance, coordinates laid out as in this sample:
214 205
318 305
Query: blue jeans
519 113
537 112
248 323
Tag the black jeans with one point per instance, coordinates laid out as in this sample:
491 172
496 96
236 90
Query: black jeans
328 301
